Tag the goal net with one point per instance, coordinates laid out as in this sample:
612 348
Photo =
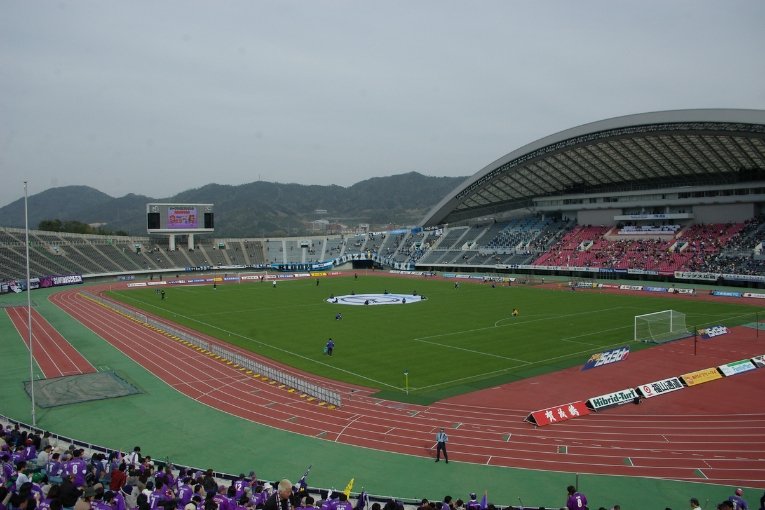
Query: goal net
660 327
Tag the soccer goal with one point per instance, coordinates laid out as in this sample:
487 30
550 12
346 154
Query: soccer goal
660 327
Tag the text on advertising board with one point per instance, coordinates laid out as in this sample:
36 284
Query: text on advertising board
66 280
701 376
607 357
737 367
559 413
658 387
711 332
616 398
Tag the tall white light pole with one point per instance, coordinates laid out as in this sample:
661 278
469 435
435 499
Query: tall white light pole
29 310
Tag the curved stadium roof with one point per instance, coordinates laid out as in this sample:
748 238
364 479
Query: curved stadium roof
643 151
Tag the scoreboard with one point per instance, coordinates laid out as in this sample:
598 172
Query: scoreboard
179 218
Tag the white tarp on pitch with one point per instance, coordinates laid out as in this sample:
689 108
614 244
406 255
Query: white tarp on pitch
375 299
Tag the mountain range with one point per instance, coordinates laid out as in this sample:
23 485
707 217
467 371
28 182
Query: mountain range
256 209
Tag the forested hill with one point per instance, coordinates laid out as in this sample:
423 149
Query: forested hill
257 209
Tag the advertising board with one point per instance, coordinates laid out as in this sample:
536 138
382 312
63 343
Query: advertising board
701 376
607 357
713 331
737 367
558 413
657 388
616 398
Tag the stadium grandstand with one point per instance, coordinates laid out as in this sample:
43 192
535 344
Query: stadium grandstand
656 194
676 196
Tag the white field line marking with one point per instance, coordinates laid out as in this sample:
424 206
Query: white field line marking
553 317
351 422
473 351
264 344
569 338
524 362
501 370
413 388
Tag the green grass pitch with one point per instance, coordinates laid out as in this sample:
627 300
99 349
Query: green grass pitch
455 341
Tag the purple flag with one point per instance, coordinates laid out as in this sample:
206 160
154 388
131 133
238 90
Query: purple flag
361 503
302 484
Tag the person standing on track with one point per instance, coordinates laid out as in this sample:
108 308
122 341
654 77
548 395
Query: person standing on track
441 440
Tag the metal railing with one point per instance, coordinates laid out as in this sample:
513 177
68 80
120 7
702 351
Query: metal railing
301 385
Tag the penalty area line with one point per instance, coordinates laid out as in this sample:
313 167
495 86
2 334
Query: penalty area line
528 363
545 317
569 338
472 351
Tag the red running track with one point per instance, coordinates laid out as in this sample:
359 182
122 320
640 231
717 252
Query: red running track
53 354
714 432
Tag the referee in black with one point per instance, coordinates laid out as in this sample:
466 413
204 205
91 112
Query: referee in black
441 440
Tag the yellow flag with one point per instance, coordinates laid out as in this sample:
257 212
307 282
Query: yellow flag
348 487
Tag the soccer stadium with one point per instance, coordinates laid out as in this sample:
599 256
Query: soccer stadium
584 311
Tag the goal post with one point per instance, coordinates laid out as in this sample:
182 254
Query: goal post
660 327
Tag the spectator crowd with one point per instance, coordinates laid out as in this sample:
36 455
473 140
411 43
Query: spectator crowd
35 475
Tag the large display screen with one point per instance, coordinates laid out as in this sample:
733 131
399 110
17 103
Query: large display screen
179 218
182 218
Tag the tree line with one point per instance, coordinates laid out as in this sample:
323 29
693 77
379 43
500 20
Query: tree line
76 227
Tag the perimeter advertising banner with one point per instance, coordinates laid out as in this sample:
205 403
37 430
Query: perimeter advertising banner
726 293
659 387
558 413
737 367
707 333
71 279
607 357
701 376
616 398
45 282
693 275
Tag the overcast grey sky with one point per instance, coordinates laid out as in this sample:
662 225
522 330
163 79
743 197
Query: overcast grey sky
155 97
